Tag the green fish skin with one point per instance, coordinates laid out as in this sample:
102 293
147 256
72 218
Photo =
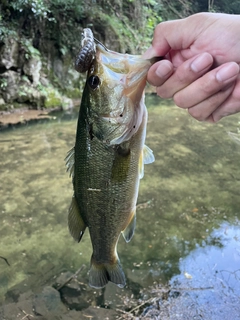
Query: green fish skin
108 159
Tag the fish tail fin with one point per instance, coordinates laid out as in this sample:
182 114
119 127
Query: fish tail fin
101 273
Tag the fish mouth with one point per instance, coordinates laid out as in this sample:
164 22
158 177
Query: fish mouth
131 70
125 76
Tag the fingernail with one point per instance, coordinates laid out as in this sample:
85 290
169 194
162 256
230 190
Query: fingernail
150 53
202 62
164 70
227 72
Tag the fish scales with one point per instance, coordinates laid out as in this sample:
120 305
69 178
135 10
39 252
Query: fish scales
108 157
111 192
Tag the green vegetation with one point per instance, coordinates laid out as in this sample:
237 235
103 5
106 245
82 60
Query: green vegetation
125 24
48 33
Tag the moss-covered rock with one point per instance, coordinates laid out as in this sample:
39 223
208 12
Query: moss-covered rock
54 99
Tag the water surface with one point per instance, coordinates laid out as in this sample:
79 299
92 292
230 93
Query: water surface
188 226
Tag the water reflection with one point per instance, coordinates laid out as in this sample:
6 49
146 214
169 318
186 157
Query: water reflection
192 190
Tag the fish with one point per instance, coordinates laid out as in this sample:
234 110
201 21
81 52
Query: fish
108 158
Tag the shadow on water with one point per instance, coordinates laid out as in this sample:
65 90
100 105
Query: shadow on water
184 259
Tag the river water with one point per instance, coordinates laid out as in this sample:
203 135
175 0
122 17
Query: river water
188 222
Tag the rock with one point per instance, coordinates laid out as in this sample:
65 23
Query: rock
13 311
53 98
63 278
74 296
73 315
28 94
10 312
2 102
77 295
26 296
151 312
48 302
9 53
11 90
67 103
96 313
47 272
44 81
32 68
58 67
115 296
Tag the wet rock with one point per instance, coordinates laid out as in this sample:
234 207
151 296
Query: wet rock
96 313
151 312
18 310
47 272
74 296
28 295
115 296
77 295
48 302
73 315
62 279
10 312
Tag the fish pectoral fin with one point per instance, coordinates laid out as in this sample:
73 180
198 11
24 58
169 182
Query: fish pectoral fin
76 224
129 230
146 157
101 273
70 161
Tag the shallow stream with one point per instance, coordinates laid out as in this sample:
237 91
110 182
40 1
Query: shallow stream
188 221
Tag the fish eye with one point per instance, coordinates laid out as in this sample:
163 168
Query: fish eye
93 82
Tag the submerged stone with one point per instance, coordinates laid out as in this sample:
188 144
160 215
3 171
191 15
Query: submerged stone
48 301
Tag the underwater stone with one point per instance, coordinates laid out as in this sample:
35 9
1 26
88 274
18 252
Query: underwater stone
74 295
48 301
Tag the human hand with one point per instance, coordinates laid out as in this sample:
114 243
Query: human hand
201 70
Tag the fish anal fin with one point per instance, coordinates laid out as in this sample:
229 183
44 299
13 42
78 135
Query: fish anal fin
129 230
101 273
70 161
146 157
76 224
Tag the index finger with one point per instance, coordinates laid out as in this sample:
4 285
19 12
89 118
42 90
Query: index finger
167 35
176 35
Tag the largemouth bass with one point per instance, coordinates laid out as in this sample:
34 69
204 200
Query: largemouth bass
108 158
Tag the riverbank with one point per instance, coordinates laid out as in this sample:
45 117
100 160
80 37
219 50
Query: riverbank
22 116
16 117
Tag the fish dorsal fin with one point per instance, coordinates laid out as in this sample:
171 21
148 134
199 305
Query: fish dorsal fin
129 231
70 161
145 158
76 224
